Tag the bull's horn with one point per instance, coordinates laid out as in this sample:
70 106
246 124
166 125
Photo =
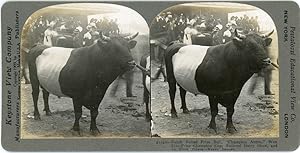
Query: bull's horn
238 35
267 35
132 36
103 37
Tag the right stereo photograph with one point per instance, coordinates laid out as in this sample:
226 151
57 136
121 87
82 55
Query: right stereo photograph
214 72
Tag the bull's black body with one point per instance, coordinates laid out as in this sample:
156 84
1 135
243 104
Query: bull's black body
24 66
86 76
222 73
146 93
207 40
65 41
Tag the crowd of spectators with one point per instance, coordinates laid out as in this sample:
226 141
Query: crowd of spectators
181 27
48 29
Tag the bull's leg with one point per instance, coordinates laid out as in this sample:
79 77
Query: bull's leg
35 96
229 126
35 84
93 127
77 104
183 103
97 96
46 103
230 100
24 73
146 100
172 91
213 103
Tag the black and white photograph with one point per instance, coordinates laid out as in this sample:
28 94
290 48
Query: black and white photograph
214 72
83 72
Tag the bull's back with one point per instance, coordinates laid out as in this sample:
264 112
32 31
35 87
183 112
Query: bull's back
49 65
185 63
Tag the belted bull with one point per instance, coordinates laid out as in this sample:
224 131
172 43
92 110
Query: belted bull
217 71
82 74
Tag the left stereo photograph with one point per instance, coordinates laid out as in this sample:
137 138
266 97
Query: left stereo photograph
84 73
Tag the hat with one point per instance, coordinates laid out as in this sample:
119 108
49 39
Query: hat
228 25
88 27
79 28
76 31
93 25
189 23
51 24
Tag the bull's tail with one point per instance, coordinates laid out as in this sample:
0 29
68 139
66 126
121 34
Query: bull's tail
171 50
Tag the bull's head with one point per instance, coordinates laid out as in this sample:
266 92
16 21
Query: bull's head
253 47
117 49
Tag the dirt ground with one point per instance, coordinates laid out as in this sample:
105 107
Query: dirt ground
255 115
118 116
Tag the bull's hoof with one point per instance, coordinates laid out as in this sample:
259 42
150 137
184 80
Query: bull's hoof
37 117
185 111
231 130
174 115
131 96
76 132
48 113
148 118
94 131
212 129
27 82
269 93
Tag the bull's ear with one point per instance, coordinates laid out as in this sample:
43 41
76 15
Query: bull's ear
268 41
132 44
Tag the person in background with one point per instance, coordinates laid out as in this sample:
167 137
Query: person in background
227 35
161 62
255 24
128 78
49 34
188 32
90 36
217 33
77 42
267 72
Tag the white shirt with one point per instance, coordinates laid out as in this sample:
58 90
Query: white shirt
48 35
227 33
188 32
